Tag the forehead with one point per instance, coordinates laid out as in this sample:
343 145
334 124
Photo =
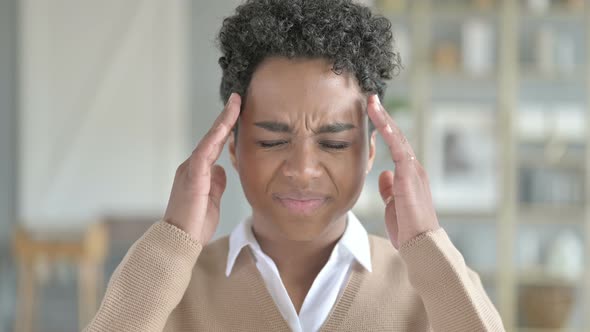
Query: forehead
302 86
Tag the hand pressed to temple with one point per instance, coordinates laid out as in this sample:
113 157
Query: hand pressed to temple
199 183
409 210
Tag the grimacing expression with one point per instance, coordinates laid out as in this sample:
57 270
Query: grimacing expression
302 149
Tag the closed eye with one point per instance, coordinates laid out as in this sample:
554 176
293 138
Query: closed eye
334 145
270 144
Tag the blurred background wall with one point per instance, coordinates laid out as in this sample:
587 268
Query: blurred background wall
110 96
103 101
8 117
8 153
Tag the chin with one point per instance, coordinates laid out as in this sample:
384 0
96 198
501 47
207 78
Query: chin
303 227
282 222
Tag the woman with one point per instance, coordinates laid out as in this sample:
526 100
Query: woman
301 82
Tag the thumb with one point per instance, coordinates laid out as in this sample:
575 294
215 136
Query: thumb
386 185
218 183
386 180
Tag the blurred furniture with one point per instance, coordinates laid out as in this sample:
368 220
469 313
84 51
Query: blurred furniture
86 249
124 230
547 306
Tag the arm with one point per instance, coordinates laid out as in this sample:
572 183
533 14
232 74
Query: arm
154 275
149 283
453 295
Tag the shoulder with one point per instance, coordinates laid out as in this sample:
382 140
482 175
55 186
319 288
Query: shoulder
387 287
379 241
213 258
385 258
381 248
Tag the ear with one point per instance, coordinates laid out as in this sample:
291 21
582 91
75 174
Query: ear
372 150
232 150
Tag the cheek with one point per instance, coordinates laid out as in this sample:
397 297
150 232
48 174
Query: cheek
347 171
353 171
255 170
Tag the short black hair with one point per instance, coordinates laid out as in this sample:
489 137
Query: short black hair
346 33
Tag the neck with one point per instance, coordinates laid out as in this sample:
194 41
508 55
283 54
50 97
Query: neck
299 258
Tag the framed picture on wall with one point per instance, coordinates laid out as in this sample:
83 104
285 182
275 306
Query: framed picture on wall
461 157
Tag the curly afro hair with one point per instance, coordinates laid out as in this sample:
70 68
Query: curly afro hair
346 33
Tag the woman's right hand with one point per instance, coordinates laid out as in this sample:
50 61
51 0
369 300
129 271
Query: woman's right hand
199 183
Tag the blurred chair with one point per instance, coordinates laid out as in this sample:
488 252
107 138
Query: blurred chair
86 249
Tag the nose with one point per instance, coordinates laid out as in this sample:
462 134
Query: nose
301 165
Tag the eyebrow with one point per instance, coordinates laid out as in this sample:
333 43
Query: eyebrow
279 127
335 128
276 127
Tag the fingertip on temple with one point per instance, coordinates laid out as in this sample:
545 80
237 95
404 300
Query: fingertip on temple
374 98
234 98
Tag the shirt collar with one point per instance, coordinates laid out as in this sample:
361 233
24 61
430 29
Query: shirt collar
355 240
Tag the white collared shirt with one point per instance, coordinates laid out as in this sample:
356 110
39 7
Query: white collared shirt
329 283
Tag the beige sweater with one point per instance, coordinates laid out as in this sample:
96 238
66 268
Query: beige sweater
165 283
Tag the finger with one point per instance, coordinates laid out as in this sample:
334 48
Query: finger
401 152
228 117
389 130
384 115
210 147
386 180
386 185
223 123
218 183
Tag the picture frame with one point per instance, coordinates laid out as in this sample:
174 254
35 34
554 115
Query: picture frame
461 157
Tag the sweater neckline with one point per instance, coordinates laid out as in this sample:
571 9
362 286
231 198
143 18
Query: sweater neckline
344 302
246 267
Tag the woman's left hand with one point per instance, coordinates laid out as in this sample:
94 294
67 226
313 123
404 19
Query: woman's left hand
409 210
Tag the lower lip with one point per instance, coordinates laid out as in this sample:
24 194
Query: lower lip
302 206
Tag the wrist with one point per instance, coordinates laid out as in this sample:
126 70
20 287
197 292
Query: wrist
190 231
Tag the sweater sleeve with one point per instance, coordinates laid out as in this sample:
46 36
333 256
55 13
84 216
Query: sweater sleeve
453 295
149 283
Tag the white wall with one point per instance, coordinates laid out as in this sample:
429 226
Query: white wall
114 96
103 121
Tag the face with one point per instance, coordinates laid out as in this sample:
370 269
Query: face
302 149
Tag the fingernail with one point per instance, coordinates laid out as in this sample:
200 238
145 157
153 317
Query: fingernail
231 97
388 129
377 102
